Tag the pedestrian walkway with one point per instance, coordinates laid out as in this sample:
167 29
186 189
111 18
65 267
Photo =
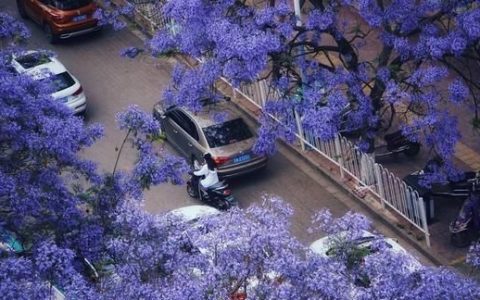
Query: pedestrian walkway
468 156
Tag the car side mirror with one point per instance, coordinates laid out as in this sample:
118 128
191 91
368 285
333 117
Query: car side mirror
158 114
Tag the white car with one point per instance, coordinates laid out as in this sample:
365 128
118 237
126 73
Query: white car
326 246
40 66
192 213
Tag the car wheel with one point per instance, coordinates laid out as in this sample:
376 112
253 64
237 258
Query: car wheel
51 37
21 9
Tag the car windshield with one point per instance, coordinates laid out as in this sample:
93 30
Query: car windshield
32 60
70 4
227 133
61 81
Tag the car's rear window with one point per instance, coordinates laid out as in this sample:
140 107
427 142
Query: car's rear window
70 4
61 81
32 60
227 133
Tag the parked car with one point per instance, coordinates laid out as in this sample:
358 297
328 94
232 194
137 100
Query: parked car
9 242
40 65
192 213
327 246
353 251
229 140
61 19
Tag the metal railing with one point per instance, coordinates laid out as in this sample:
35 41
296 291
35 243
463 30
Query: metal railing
388 189
383 185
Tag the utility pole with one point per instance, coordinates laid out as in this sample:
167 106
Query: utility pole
298 15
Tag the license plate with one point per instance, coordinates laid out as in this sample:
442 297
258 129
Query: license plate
79 18
241 158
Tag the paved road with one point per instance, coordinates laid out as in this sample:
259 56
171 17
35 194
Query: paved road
112 83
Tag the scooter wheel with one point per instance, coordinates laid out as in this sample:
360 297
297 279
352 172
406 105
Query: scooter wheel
192 192
224 205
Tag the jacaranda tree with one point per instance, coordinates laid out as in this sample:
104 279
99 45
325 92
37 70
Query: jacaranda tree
56 210
399 63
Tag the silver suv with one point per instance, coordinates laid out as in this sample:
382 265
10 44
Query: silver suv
217 129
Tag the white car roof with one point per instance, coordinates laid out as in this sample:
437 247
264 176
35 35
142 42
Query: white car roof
192 212
54 66
321 246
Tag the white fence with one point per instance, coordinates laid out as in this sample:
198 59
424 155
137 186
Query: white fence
391 191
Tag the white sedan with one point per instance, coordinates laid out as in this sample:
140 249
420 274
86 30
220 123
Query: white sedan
327 246
192 213
67 88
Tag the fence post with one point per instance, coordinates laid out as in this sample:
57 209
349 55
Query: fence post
379 180
423 216
339 156
299 129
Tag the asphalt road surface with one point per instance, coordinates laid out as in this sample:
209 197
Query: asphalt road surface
111 83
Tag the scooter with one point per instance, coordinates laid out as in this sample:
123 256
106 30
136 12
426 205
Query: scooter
395 143
468 189
468 219
218 195
453 189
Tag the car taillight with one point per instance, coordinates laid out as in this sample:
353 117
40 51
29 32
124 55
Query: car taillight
227 192
220 160
78 92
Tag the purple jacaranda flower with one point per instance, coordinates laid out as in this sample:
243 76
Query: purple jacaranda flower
473 255
458 91
134 119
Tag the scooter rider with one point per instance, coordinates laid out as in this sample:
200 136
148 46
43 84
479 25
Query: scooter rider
209 170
